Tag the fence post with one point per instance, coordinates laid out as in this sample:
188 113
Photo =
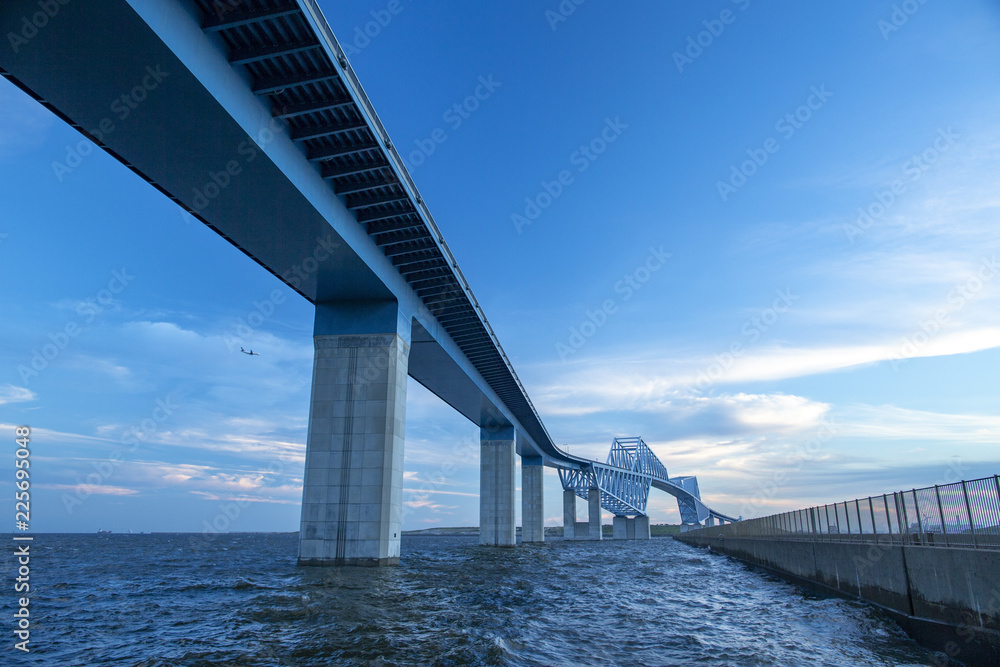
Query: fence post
871 508
944 530
888 517
847 515
920 522
968 508
861 524
902 518
996 507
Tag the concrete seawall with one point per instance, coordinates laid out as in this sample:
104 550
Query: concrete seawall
948 599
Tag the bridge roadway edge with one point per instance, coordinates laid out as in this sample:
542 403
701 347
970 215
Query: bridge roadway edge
926 590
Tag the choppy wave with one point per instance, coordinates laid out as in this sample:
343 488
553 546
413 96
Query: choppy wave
151 600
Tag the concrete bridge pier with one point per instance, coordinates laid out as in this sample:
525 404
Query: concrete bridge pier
631 528
532 500
594 514
353 482
497 492
569 514
620 526
582 530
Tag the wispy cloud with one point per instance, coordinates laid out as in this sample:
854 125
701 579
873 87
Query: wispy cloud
10 393
890 422
650 382
102 490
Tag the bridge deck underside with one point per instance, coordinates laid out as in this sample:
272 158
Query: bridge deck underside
293 62
291 73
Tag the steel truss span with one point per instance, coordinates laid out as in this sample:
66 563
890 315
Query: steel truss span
625 479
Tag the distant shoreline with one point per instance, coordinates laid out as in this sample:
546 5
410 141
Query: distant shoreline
656 530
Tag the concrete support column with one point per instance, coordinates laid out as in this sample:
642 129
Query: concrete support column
532 500
569 514
641 528
619 525
353 482
594 513
497 491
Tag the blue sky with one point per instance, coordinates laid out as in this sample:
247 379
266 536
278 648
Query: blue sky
830 313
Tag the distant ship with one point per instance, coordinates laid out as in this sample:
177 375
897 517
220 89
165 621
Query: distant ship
101 531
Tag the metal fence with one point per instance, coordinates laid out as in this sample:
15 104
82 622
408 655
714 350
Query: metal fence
965 514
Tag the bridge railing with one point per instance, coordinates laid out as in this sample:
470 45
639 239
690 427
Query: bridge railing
961 514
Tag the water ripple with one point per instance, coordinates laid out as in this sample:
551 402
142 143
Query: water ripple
151 600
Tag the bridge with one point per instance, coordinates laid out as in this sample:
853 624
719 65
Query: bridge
248 115
621 486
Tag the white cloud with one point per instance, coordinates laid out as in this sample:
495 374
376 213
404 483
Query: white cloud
438 492
889 422
51 437
13 394
644 383
92 364
96 489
